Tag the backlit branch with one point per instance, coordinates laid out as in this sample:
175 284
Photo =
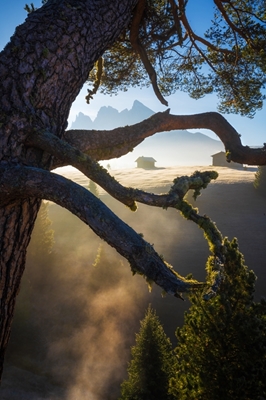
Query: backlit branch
143 259
174 198
104 145
140 49
69 155
128 196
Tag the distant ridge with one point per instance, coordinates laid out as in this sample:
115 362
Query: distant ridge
110 118
178 147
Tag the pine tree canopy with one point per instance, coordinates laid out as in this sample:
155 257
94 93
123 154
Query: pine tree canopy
152 365
161 48
221 348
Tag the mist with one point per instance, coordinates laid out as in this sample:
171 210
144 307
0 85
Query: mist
172 148
79 306
77 314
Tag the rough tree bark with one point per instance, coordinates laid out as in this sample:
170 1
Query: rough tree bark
42 70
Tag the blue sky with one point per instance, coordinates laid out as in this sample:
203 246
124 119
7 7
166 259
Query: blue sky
252 131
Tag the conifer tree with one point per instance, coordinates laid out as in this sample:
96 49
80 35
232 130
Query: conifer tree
222 346
152 365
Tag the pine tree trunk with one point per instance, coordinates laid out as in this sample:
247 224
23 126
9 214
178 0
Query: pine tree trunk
42 70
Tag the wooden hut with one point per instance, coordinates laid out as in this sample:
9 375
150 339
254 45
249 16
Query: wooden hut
219 160
145 162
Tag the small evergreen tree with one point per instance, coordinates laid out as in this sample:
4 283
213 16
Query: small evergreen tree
260 180
153 363
222 346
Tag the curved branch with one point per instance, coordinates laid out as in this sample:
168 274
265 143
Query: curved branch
128 196
33 182
140 49
56 147
69 155
104 145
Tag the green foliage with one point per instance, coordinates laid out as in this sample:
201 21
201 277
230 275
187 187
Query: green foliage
222 346
243 70
260 180
229 59
152 365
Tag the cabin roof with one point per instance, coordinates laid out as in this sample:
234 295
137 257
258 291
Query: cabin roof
216 154
150 159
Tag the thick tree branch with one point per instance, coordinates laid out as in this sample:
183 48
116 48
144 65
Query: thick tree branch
33 182
128 196
104 145
69 155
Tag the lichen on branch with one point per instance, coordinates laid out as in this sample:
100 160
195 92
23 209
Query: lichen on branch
142 257
129 196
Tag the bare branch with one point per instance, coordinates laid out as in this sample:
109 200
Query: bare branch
69 155
140 49
143 259
176 20
128 196
104 145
